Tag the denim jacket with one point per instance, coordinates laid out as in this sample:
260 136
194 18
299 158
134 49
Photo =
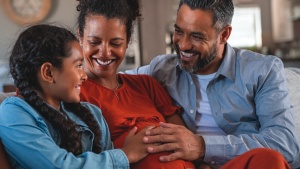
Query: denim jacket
248 98
31 142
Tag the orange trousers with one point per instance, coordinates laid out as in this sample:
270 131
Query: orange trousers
259 158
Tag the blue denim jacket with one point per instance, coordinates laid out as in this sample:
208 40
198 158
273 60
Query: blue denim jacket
249 101
31 142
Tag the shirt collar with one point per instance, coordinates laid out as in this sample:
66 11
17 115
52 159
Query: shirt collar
73 117
227 67
178 69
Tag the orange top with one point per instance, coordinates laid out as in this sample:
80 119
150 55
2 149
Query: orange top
140 99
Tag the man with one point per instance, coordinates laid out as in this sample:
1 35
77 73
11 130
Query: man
234 100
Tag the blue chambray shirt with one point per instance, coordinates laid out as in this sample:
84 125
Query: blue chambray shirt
31 142
249 101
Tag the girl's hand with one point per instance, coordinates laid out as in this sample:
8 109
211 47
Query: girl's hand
134 147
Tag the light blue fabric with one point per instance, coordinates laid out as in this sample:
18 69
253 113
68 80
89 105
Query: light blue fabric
249 101
32 143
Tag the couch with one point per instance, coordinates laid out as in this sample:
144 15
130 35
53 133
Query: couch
293 82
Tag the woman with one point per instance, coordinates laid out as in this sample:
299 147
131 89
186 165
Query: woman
47 126
105 29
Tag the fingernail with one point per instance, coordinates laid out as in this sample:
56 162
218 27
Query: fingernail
150 149
151 127
145 139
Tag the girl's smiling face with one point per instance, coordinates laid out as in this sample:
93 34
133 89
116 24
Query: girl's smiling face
104 45
66 80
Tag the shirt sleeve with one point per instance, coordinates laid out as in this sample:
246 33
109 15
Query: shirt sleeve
146 69
26 139
140 70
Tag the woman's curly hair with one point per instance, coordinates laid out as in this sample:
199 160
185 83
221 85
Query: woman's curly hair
35 46
125 10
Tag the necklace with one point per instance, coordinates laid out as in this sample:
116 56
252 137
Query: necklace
113 90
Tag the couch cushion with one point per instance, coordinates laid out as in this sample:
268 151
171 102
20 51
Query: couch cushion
293 82
4 95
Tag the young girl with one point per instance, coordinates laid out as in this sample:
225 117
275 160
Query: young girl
105 29
47 126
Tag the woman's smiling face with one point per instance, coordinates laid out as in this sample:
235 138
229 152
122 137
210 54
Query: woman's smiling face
104 45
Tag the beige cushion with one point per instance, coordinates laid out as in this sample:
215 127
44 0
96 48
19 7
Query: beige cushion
293 82
4 95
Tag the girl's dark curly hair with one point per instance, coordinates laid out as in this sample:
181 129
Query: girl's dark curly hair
46 43
125 10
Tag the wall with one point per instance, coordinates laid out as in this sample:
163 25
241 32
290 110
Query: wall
62 12
266 21
158 16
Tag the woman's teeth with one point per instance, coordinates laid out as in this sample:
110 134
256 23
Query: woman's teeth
104 63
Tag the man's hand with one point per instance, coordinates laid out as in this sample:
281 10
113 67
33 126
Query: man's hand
184 144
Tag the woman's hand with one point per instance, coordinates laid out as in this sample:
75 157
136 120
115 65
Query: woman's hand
134 147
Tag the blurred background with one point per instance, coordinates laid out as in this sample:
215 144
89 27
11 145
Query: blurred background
264 26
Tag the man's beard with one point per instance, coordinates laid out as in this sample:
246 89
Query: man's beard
200 63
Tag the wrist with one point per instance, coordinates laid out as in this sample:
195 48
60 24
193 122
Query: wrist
201 148
130 159
201 151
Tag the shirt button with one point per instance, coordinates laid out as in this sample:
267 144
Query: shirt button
213 162
192 111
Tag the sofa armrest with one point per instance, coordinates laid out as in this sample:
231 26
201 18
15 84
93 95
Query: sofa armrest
293 83
4 95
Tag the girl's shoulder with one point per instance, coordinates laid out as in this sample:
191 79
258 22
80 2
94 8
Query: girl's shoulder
14 109
14 101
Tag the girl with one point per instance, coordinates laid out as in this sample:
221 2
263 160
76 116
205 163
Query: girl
47 126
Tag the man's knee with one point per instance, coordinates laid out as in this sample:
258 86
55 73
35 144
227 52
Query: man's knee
265 153
258 158
267 157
